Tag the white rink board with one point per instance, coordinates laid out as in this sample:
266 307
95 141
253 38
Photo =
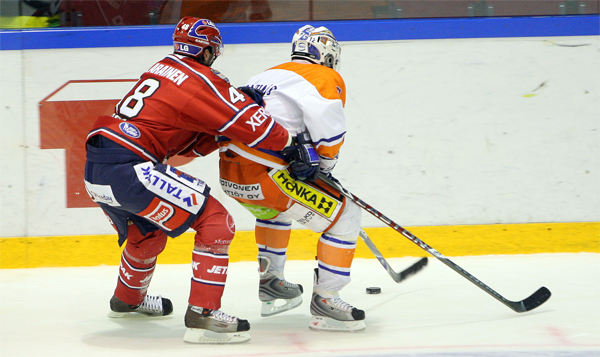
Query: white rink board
61 312
440 132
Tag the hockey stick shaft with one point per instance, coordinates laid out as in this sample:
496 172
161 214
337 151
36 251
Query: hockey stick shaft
397 277
533 301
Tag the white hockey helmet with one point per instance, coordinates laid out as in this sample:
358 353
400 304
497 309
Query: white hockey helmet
317 45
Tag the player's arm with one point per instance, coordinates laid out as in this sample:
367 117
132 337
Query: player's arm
324 119
202 146
221 109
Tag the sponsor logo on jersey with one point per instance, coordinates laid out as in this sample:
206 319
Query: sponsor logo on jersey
306 218
161 213
130 130
189 178
171 189
304 194
125 273
217 269
101 194
258 118
248 192
220 75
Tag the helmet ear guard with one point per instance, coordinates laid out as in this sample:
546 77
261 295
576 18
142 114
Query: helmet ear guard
328 61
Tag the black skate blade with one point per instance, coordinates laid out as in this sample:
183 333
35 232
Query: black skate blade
536 299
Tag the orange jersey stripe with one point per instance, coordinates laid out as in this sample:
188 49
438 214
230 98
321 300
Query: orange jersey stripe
335 256
320 77
329 151
274 238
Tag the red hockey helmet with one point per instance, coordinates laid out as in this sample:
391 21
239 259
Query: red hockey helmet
193 34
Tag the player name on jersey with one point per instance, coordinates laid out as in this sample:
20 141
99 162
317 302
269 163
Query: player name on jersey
168 72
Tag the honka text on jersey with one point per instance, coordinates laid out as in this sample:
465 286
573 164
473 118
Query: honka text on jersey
168 72
171 189
307 195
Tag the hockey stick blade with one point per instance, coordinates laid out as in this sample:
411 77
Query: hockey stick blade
536 299
413 269
398 277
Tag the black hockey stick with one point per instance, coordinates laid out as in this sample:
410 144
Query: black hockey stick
398 277
536 299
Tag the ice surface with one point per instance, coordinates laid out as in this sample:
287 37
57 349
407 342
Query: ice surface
62 311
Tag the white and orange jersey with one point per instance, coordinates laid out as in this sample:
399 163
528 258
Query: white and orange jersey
301 96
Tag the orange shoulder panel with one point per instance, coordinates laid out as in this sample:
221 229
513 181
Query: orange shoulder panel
321 77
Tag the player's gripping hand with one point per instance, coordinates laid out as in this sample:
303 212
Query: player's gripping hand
329 176
255 94
303 158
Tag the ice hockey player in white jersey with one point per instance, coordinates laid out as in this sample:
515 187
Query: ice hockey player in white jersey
307 97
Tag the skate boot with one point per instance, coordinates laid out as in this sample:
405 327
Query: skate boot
152 306
273 291
277 295
214 327
334 314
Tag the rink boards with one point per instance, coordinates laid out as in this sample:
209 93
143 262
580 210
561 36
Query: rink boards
65 251
484 121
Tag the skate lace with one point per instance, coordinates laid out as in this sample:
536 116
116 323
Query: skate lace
152 303
287 284
340 304
221 316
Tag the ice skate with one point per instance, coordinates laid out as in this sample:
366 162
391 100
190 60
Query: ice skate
334 314
152 306
214 327
278 295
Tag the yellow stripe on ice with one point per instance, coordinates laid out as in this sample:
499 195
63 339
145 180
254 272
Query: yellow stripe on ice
65 251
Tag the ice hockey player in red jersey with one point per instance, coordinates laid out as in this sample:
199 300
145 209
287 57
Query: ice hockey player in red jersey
305 95
179 106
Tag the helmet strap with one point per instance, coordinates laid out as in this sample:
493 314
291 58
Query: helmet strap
303 57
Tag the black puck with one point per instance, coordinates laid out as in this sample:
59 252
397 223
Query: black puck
373 290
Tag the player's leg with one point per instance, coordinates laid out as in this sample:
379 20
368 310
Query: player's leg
138 261
111 181
335 252
318 207
210 260
272 238
250 184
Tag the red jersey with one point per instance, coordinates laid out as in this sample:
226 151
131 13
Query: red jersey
178 106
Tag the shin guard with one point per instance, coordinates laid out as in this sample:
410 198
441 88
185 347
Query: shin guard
335 255
210 259
134 278
272 238
208 282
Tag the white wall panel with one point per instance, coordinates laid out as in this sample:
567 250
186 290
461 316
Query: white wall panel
440 132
